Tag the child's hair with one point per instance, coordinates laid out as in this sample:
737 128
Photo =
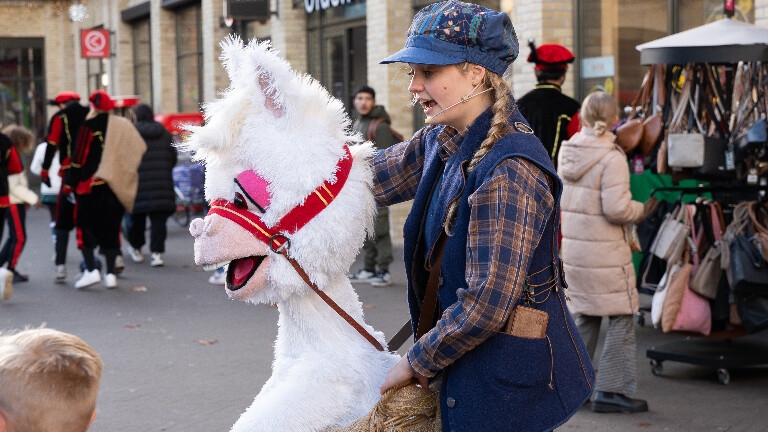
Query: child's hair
22 138
49 381
599 111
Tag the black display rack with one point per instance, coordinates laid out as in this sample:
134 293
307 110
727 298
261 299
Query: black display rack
719 354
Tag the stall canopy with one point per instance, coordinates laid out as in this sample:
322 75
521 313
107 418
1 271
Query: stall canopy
723 41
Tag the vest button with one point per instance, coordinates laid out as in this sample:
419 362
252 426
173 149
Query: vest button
440 281
451 402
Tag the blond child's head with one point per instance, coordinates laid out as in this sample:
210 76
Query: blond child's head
49 381
599 111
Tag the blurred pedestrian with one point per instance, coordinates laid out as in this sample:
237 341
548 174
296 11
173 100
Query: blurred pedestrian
21 197
48 194
62 133
373 122
155 197
553 116
597 206
49 382
104 179
10 164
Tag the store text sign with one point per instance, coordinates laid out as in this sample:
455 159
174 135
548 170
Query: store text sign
597 67
94 43
316 5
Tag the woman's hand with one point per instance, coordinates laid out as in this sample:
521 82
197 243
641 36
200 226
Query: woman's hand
401 372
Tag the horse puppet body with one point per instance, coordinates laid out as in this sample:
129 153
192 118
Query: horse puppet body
284 182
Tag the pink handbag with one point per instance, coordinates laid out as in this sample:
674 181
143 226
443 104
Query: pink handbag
694 315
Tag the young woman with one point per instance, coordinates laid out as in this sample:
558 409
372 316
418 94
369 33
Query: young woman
597 206
501 343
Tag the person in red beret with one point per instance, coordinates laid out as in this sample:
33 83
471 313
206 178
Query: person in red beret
553 116
62 131
104 180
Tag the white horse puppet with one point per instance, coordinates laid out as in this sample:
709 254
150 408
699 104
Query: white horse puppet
290 195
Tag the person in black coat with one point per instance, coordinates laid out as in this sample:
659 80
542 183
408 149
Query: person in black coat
155 198
553 116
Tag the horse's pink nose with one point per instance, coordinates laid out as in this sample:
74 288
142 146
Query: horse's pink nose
209 226
196 227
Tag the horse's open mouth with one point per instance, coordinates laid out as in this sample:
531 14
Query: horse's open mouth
240 271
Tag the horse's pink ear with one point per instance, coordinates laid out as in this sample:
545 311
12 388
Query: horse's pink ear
269 95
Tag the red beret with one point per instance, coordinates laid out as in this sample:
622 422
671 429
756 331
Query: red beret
101 101
550 56
65 97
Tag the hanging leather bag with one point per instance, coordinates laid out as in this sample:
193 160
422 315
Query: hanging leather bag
753 311
706 279
749 269
644 125
630 134
670 241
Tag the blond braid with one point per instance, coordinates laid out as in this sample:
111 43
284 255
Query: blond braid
499 122
499 128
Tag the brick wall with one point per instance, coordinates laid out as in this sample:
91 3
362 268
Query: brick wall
761 13
542 22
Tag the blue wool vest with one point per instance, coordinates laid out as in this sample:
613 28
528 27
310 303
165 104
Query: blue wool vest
506 383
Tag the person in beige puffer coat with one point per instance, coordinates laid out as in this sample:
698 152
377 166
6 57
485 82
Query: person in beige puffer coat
597 206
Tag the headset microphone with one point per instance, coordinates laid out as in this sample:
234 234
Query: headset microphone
468 96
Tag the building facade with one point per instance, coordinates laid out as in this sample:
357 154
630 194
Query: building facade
166 51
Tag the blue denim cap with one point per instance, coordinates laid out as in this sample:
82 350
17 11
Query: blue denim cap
452 32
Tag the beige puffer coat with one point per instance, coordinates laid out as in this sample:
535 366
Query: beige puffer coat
596 207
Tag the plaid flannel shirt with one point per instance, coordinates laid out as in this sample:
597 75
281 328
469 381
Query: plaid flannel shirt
509 210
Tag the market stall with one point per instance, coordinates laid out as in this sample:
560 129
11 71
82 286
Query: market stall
702 115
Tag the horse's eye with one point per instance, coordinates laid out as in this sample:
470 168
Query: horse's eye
240 201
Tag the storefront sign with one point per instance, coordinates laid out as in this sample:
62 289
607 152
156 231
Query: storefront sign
248 9
94 43
316 5
597 67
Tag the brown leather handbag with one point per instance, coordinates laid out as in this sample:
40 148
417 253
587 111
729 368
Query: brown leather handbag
630 134
653 125
642 128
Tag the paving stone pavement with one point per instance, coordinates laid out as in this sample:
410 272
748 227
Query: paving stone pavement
181 356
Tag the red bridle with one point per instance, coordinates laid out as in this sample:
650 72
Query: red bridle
277 236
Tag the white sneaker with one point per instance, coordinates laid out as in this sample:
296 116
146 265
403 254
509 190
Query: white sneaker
136 255
88 278
119 264
381 279
157 260
219 277
361 276
110 281
6 284
61 272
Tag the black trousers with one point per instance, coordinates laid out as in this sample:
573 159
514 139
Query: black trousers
157 230
99 215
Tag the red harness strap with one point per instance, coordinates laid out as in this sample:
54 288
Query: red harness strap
296 218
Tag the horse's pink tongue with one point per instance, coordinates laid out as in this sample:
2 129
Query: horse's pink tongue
244 267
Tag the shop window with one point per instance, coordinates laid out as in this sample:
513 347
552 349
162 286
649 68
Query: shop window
336 52
22 78
142 60
189 58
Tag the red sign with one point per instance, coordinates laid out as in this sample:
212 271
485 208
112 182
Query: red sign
94 43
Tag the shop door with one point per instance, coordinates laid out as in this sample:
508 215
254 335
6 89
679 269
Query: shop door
22 77
345 62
